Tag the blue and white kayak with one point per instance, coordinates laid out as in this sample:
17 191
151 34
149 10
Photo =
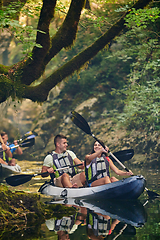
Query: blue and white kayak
130 212
128 188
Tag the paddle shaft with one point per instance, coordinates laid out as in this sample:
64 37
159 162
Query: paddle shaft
83 125
23 178
59 169
110 152
28 142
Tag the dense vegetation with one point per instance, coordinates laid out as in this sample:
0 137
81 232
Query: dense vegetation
19 80
120 84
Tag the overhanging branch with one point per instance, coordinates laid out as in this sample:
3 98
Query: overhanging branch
67 32
35 67
40 92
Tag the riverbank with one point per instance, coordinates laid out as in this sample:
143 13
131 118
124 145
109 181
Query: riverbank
27 208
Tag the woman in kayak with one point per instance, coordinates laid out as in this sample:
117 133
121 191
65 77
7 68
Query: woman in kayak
98 165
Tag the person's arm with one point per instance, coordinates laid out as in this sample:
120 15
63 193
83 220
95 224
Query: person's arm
77 161
18 149
47 166
118 171
2 161
6 149
92 156
114 223
47 169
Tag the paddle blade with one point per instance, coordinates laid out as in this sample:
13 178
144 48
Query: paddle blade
152 194
28 135
28 143
80 122
123 155
17 180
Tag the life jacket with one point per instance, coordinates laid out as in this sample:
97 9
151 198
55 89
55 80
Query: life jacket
98 224
63 161
3 155
63 224
98 168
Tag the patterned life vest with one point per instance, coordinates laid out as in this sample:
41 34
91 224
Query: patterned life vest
98 168
3 155
63 224
63 161
98 224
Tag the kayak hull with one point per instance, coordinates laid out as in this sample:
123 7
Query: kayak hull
6 170
128 188
130 212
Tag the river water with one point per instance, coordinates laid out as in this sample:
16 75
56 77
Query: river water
136 220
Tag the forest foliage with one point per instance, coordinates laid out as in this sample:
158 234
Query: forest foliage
126 72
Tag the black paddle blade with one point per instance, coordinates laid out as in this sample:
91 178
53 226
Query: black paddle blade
152 194
28 143
17 180
123 155
80 122
27 134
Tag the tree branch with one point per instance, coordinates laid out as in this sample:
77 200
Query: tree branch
67 32
35 67
40 92
11 84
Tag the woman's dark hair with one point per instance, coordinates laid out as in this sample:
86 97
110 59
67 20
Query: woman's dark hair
101 142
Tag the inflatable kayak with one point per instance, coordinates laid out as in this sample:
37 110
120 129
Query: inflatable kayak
130 212
128 188
6 170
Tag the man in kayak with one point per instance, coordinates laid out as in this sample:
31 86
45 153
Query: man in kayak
5 153
11 161
98 165
59 158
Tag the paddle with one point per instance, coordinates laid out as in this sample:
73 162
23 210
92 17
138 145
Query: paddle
123 155
27 135
79 121
26 143
23 178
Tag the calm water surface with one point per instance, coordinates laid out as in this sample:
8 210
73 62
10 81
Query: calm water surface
99 220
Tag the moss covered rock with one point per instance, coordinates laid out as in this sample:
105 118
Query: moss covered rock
27 207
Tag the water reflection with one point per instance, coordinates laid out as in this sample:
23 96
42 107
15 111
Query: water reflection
92 220
126 229
100 219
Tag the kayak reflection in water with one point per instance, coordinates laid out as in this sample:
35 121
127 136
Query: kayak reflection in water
97 225
67 225
98 165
